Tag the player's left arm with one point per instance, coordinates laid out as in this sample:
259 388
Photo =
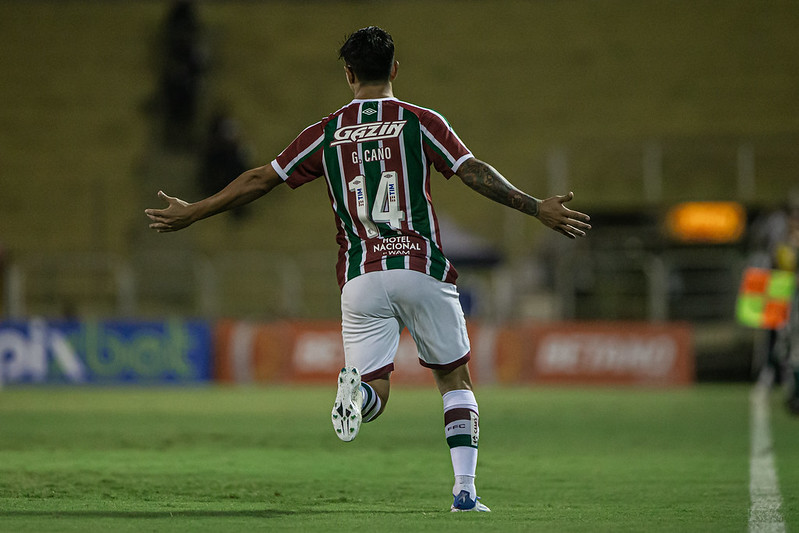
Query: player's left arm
247 187
552 212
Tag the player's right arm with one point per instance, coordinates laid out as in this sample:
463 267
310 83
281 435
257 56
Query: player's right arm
179 214
552 212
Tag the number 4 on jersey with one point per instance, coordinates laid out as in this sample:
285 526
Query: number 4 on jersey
386 207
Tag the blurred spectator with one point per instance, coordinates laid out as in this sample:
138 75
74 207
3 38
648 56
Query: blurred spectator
184 64
223 156
787 342
776 240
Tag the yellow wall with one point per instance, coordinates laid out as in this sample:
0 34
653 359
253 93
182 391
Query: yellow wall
514 77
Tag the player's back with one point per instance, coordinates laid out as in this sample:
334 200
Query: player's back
376 157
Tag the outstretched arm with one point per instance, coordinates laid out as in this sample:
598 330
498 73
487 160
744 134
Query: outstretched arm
249 186
552 212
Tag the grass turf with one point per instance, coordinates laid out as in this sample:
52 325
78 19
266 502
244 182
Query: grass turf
248 459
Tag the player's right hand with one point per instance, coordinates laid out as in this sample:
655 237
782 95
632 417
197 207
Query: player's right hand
177 215
554 214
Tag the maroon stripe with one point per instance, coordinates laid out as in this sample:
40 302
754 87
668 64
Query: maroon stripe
449 366
459 413
452 274
379 373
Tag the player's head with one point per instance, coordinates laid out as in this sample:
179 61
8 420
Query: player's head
369 54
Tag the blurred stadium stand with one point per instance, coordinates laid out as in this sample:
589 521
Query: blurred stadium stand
634 106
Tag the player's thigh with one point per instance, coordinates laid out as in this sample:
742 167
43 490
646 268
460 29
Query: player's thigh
432 312
369 327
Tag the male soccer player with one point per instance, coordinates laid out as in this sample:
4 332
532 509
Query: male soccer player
375 154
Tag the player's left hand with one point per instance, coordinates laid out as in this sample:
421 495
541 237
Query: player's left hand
554 214
177 215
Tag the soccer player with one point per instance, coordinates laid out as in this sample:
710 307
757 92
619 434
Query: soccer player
375 154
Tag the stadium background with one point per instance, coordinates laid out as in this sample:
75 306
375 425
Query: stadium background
635 106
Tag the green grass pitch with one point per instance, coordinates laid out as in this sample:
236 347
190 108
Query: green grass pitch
266 459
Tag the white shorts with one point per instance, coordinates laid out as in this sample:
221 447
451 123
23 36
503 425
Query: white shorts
376 306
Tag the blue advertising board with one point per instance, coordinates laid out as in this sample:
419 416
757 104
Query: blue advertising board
105 351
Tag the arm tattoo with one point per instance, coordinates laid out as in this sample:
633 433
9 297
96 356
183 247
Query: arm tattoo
487 181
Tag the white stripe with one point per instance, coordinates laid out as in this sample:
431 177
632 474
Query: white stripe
438 144
279 170
764 489
460 161
362 171
408 212
384 259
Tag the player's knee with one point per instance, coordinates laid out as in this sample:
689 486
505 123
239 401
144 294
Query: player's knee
457 378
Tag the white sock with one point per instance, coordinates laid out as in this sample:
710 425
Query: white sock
371 403
462 429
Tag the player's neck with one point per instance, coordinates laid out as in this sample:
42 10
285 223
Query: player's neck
372 91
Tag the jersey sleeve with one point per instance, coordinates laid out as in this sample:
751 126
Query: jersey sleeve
301 161
442 145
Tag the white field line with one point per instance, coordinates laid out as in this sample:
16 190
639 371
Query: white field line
764 488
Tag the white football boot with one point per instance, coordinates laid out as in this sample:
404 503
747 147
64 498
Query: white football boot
346 413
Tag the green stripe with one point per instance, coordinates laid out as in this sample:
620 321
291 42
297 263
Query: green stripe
395 262
355 253
414 161
460 440
438 264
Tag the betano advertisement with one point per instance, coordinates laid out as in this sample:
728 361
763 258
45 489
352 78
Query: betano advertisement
186 351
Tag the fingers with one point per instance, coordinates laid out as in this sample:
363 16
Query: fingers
576 222
564 232
161 227
159 215
576 215
575 232
569 231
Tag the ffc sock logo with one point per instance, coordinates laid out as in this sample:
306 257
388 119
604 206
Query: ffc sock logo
462 428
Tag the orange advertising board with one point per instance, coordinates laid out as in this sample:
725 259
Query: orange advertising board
297 352
615 353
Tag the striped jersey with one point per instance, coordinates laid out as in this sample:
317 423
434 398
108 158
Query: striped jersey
376 156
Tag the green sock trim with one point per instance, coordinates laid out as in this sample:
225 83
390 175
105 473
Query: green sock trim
460 440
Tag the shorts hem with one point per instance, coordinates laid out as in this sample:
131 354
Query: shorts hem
449 366
379 373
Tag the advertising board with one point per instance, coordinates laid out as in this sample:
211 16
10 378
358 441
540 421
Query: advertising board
104 351
615 353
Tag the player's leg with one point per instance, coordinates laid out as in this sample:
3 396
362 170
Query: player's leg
357 402
462 430
375 397
432 312
370 332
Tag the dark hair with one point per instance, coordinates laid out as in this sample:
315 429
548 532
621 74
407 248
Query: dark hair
369 52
